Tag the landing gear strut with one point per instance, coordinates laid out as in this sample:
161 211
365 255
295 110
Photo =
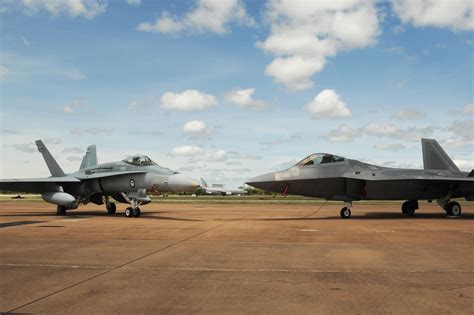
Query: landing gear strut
346 211
409 207
61 210
133 210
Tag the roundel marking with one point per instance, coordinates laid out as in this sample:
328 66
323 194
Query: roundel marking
132 183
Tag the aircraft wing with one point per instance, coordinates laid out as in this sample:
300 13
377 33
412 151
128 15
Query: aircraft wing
404 177
36 185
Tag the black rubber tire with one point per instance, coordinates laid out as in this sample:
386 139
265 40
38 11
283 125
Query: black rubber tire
454 209
345 213
409 207
112 209
405 207
129 212
410 211
136 212
61 210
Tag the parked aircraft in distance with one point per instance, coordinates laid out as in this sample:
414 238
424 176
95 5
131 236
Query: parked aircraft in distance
219 189
333 177
126 181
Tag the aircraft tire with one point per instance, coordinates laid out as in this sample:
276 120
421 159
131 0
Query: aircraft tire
345 213
128 212
453 209
61 210
112 209
405 206
409 208
136 212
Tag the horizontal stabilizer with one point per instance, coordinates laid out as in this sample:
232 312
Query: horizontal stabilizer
435 158
53 166
90 158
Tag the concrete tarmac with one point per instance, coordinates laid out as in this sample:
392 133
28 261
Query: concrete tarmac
236 258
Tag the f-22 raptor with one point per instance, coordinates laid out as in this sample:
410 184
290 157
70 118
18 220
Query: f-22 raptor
333 177
126 181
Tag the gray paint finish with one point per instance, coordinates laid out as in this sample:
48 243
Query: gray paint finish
334 178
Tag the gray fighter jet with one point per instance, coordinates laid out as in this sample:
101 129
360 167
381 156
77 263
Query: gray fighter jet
333 177
126 181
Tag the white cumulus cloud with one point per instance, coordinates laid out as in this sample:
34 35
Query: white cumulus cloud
380 129
328 104
207 16
134 2
408 114
453 14
74 107
243 98
189 100
186 150
305 33
468 109
73 8
194 127
343 134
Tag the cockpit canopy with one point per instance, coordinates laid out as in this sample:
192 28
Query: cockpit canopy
320 158
139 160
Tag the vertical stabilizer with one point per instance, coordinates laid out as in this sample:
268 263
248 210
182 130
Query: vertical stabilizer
435 158
53 166
90 158
203 183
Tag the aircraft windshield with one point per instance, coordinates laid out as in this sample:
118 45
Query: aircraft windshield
139 160
320 158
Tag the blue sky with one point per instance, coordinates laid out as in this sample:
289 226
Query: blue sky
230 89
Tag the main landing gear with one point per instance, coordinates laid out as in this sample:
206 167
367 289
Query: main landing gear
346 211
111 207
61 210
452 208
409 207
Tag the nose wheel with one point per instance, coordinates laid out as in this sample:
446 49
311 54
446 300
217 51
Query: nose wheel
132 212
345 213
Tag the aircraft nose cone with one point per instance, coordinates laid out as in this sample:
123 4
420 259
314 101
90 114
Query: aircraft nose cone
264 181
179 182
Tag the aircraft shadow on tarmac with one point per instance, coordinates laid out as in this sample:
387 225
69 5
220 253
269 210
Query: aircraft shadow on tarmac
374 216
314 217
89 214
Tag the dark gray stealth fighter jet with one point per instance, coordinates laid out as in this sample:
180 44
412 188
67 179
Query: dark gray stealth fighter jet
333 177
127 181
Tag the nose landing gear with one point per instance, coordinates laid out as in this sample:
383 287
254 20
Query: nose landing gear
132 212
346 211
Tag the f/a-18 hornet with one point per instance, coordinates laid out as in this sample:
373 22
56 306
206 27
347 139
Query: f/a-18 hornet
126 181
333 177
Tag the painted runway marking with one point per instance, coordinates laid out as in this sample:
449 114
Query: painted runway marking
199 269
